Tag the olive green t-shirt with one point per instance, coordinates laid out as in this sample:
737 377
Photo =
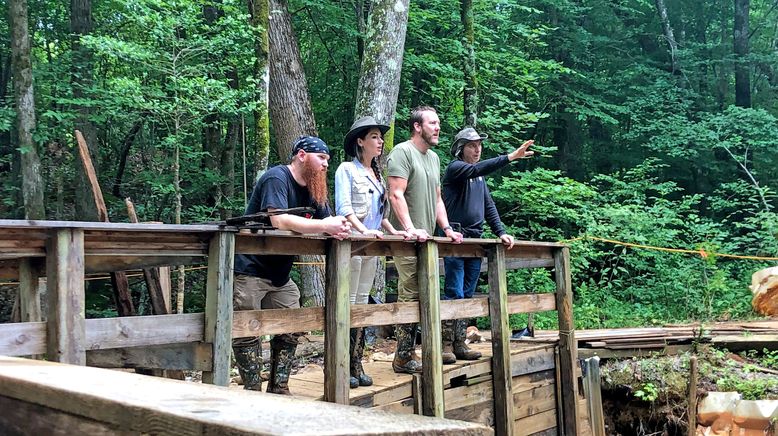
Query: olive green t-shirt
422 171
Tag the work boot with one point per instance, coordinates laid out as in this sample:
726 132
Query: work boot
461 350
357 349
248 356
405 358
447 333
281 359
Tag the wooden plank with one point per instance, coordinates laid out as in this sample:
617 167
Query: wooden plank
23 339
136 331
534 401
465 395
65 282
533 361
534 380
102 226
9 269
15 420
501 332
482 413
568 348
218 306
337 317
404 406
535 423
29 292
162 406
115 262
429 310
195 356
272 244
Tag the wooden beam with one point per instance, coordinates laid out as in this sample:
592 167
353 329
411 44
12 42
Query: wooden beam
336 322
29 292
429 309
196 356
136 331
568 347
22 338
593 394
501 333
119 262
218 306
65 280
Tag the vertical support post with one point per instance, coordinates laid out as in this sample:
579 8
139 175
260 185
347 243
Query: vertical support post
66 331
502 380
593 392
29 292
337 320
431 339
218 306
692 396
568 347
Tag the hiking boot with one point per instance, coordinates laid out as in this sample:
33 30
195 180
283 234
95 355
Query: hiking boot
248 357
461 350
356 351
405 358
281 359
447 333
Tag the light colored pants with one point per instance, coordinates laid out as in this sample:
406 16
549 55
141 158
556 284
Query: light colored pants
363 270
254 293
407 281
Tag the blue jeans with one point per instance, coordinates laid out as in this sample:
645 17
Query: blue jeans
461 277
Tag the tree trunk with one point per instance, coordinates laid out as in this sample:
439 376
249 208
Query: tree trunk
722 77
669 35
290 109
81 80
227 157
742 75
379 78
260 15
470 95
32 181
129 139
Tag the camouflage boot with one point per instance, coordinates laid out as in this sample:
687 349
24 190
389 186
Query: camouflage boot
447 332
461 350
405 358
281 360
357 349
248 357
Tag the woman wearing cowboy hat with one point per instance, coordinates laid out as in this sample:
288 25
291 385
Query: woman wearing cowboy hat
360 196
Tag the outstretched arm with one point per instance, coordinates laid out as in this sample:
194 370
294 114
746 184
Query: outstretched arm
336 226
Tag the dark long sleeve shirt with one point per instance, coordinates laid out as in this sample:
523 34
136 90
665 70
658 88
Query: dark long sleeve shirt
467 198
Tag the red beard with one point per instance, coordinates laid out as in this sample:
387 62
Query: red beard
316 182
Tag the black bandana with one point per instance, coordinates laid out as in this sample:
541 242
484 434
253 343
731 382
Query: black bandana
310 144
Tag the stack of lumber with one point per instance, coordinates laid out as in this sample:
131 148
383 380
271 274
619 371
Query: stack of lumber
756 333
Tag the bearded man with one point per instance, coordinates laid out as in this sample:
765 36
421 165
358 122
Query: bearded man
262 281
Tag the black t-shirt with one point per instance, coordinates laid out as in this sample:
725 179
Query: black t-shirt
276 189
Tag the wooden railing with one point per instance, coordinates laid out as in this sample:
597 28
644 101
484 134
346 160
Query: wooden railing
65 251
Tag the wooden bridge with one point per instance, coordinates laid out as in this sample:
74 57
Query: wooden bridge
64 252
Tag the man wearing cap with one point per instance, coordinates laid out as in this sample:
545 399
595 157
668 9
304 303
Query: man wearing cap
413 171
469 203
262 281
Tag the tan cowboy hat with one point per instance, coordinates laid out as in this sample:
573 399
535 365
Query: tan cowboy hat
359 126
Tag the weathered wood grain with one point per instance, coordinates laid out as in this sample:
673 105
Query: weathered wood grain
218 307
429 309
336 326
501 332
65 281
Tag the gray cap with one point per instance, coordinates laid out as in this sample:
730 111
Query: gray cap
463 137
359 126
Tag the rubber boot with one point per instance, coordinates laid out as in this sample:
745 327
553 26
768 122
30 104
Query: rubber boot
281 360
248 356
357 349
405 358
447 333
461 350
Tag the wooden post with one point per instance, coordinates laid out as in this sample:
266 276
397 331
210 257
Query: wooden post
592 390
218 306
568 349
692 396
337 320
429 314
29 292
66 332
502 380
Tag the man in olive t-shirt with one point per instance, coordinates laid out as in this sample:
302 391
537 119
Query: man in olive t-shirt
413 171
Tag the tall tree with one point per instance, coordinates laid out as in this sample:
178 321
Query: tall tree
260 15
32 180
81 80
470 93
290 110
742 68
667 29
